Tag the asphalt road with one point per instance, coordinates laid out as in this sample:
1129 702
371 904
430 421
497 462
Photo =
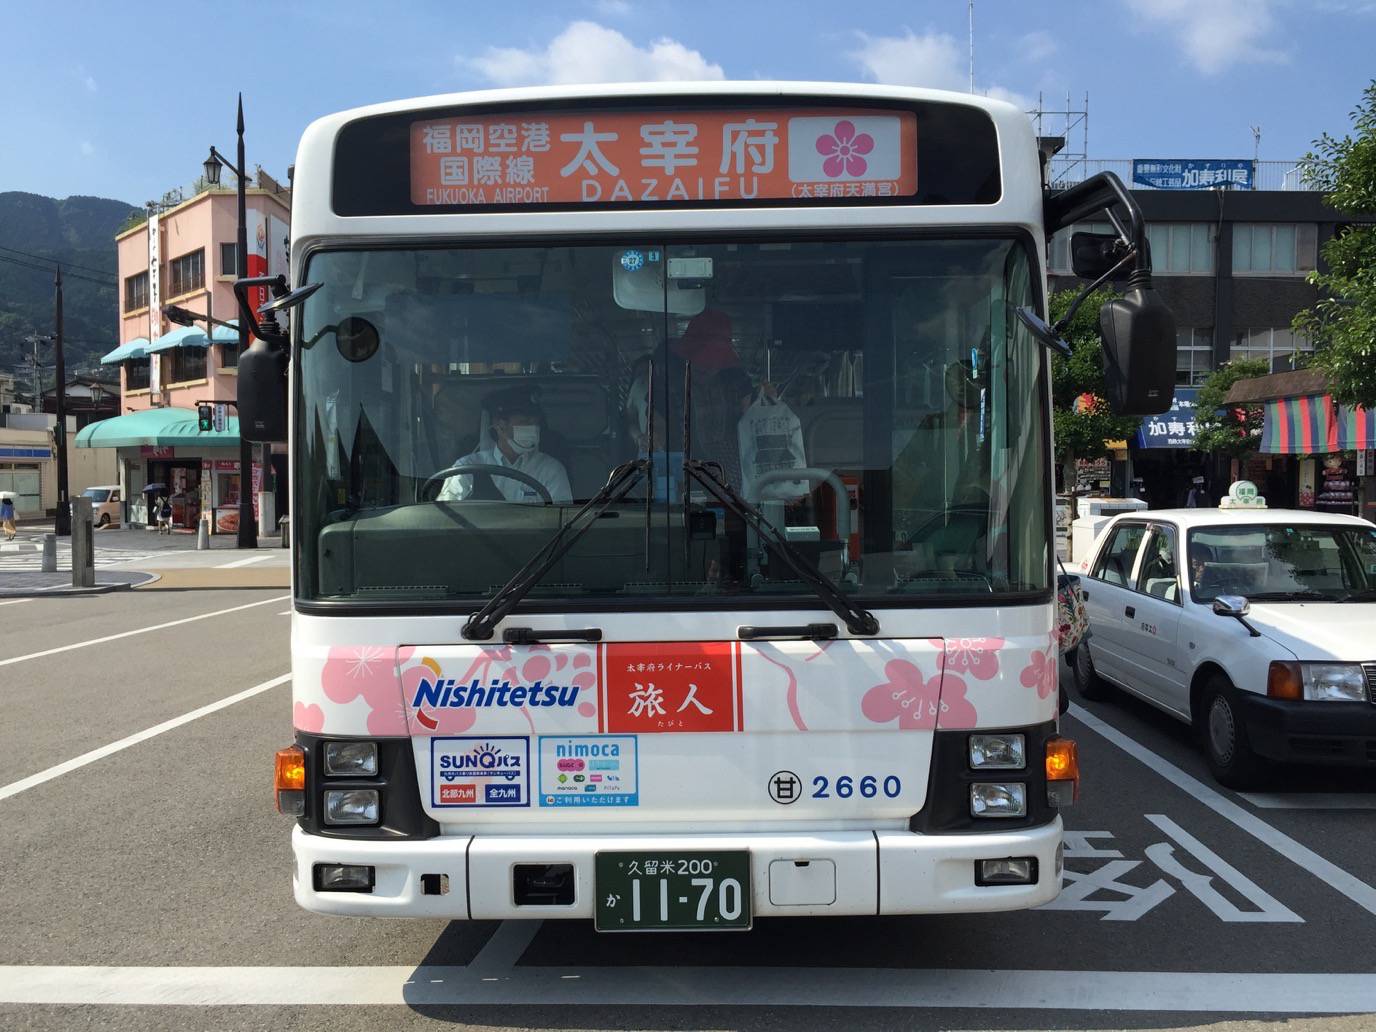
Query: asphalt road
1185 905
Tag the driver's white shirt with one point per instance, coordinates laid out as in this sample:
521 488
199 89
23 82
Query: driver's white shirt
548 470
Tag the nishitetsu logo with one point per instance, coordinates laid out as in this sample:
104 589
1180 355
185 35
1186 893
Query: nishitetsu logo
448 693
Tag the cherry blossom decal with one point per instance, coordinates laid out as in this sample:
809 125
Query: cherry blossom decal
972 657
1040 672
367 672
842 148
308 718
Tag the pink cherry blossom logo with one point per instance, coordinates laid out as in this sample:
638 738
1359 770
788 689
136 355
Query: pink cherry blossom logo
308 718
1040 672
843 148
367 672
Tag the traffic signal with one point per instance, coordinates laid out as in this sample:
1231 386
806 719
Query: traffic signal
205 419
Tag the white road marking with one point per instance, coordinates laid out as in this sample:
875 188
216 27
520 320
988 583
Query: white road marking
285 612
244 562
15 601
1326 871
1311 800
140 630
1149 991
1268 907
33 780
504 949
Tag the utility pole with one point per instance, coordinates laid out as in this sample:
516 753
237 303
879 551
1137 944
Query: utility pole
248 523
63 522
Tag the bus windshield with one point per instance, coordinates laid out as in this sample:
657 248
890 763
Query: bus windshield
874 399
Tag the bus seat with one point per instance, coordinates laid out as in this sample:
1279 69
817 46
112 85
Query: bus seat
1162 587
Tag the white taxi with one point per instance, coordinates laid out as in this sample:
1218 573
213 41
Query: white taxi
1257 626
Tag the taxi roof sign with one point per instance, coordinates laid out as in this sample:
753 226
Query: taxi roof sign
1242 494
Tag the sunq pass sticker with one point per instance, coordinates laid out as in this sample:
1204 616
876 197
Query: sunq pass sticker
487 770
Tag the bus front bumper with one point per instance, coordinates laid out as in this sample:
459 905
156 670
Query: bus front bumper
880 872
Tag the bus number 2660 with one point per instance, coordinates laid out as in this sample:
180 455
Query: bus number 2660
867 787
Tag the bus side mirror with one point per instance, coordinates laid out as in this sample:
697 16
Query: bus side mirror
1138 332
263 393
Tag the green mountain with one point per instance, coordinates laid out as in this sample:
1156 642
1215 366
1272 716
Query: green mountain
78 232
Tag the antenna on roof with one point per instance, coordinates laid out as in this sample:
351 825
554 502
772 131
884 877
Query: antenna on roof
1256 143
972 46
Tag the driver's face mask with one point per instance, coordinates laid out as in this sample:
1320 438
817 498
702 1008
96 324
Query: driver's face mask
525 439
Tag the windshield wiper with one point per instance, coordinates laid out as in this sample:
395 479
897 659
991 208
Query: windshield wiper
858 621
480 625
1292 596
1360 595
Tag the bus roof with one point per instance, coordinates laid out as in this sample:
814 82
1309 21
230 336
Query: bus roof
1019 202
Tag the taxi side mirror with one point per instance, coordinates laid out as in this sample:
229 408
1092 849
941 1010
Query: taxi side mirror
1237 607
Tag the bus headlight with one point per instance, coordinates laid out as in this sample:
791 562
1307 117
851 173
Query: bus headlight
998 752
351 806
998 800
351 759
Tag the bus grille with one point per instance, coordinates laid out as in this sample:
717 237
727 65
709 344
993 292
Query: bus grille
1370 670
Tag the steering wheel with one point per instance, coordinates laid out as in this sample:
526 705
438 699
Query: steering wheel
493 471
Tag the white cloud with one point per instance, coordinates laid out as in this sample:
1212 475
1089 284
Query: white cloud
1038 46
588 52
934 59
1214 34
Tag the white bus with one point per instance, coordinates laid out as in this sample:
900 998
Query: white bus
671 498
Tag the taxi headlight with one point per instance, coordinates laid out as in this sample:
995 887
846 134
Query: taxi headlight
1333 682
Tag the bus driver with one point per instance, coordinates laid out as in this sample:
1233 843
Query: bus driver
516 426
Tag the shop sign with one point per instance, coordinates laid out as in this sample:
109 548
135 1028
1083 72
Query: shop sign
1193 173
227 465
1173 429
156 451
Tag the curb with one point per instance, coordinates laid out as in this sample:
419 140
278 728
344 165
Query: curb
98 589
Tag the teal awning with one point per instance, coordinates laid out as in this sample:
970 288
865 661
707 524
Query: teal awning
136 348
192 337
165 427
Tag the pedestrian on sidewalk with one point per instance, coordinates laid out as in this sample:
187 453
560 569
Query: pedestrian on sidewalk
7 516
164 515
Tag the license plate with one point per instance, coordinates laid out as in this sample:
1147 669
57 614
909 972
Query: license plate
638 892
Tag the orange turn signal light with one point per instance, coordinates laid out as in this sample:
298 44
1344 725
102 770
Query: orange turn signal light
1063 763
1283 681
290 769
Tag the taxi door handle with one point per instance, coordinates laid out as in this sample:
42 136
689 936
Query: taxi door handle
1130 612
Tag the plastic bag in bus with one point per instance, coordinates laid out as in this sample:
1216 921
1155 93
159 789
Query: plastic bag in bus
771 439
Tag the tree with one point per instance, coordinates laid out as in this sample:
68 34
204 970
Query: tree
1083 420
1343 324
1232 430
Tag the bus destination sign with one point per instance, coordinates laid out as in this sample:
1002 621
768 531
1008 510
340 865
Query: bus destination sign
611 157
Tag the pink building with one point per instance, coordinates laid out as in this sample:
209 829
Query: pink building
184 256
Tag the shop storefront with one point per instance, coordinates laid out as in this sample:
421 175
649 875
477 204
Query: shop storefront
162 454
1315 453
1163 462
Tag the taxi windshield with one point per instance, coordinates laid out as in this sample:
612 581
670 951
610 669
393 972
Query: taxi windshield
876 400
1280 562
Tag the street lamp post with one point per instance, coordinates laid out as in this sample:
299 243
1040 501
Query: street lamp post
248 524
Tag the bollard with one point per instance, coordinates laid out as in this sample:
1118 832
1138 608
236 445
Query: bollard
49 553
203 535
284 527
83 544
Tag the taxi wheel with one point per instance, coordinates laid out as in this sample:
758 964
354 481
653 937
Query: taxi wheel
1089 684
105 519
1226 747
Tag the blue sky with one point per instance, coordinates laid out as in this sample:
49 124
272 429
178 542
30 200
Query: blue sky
122 100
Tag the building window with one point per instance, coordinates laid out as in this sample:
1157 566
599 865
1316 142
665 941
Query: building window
1182 248
1280 348
186 273
1058 258
136 292
1274 249
1194 356
229 356
229 265
188 364
137 375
